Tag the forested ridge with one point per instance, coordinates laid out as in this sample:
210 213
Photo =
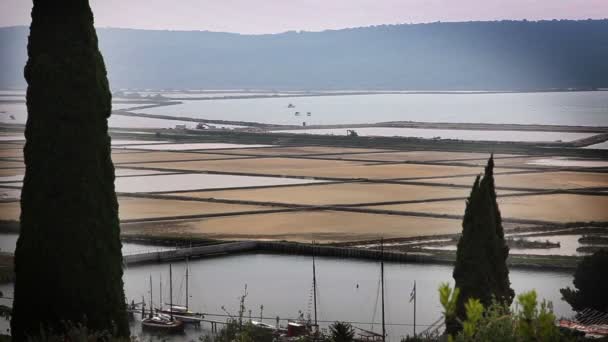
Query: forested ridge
499 55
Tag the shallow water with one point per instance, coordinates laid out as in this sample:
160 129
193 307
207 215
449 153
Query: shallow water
568 162
283 285
601 146
8 193
196 146
120 142
477 135
8 242
195 181
11 137
568 246
560 108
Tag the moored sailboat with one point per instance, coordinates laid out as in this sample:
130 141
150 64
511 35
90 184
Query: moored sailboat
182 312
161 322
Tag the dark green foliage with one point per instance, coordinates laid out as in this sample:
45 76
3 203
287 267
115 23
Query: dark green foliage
590 283
481 271
244 332
341 332
68 261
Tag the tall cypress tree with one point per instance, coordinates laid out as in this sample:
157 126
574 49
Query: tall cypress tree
68 260
481 269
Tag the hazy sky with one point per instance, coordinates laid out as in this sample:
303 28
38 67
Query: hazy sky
271 16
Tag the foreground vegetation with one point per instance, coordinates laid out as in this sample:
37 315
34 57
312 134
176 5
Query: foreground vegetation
68 261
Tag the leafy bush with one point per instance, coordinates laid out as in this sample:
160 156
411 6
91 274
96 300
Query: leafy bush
530 321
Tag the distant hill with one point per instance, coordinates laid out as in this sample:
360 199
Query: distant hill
502 55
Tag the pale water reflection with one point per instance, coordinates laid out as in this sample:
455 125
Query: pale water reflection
283 285
558 108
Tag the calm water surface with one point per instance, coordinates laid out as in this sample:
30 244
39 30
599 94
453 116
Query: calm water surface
196 181
283 285
560 108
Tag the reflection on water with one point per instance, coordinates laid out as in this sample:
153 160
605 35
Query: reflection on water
197 146
559 108
196 181
568 162
347 289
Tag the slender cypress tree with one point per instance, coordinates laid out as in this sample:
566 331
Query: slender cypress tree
68 260
481 270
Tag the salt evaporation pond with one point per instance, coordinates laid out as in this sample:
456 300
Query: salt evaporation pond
197 181
568 162
548 108
10 194
477 135
601 146
120 142
119 172
567 247
12 137
8 243
122 121
195 146
283 285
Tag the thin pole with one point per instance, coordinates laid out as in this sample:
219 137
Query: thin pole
151 305
314 281
415 294
187 283
382 282
160 294
170 292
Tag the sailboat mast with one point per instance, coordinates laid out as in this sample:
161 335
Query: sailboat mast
314 281
170 292
382 284
160 293
151 305
187 283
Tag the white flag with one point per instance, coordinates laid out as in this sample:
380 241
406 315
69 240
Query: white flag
413 293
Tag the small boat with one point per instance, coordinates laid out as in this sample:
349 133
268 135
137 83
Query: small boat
263 325
291 106
162 323
182 312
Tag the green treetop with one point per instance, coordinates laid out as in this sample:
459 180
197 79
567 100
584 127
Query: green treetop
481 271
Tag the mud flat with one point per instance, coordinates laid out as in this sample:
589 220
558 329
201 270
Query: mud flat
420 156
317 168
150 209
325 226
146 157
301 150
343 193
12 171
552 208
544 180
